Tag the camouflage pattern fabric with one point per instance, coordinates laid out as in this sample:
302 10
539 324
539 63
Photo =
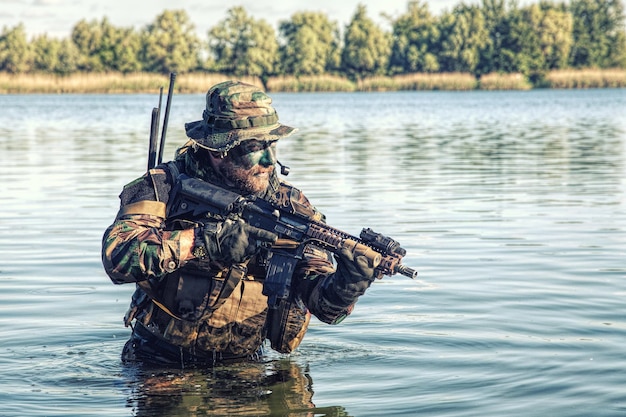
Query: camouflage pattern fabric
236 112
145 247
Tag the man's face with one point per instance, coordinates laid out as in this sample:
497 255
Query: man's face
249 165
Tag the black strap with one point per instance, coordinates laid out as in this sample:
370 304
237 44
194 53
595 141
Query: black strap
171 165
236 273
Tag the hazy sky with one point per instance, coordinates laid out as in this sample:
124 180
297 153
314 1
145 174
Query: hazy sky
57 17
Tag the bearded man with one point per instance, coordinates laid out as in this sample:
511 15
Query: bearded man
199 279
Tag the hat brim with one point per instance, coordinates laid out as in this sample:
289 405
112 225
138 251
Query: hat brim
223 141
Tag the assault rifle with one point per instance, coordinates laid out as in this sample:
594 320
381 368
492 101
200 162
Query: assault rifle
196 197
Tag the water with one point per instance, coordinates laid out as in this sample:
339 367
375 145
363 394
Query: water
512 206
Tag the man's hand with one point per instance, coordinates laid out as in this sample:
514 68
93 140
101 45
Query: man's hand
233 241
354 271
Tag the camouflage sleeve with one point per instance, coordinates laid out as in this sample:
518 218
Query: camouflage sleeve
318 286
136 247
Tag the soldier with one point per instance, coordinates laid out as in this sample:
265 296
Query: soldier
199 280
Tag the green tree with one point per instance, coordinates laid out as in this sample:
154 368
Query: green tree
120 49
87 36
170 44
367 47
104 47
522 51
415 40
496 23
46 53
464 36
54 56
598 32
242 45
555 34
539 39
68 58
311 44
15 50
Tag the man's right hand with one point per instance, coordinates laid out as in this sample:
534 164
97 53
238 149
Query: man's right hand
356 269
233 241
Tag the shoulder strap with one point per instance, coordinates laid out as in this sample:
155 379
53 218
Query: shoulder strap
223 289
155 208
171 165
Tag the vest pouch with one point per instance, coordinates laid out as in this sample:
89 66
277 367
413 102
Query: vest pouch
286 325
187 293
224 286
193 295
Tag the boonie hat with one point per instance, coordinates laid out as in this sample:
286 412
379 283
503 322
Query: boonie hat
236 112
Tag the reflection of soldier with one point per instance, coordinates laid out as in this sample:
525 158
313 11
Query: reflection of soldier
243 389
199 297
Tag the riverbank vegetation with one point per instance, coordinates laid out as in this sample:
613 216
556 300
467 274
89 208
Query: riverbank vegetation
197 82
495 45
114 83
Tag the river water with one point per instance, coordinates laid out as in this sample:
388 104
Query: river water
512 206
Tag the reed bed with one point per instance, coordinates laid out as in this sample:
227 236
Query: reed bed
420 82
110 83
80 83
497 81
587 78
313 83
447 81
377 83
200 82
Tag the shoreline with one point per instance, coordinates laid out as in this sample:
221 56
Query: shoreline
148 83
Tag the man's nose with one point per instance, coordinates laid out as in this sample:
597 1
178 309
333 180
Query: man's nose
269 157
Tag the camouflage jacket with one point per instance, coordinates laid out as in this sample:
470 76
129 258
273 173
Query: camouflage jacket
199 305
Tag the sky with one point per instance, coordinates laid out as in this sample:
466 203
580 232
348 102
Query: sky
56 18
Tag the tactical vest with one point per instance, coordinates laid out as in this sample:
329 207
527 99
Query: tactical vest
209 310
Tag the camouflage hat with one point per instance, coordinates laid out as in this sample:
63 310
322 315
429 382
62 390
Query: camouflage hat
236 112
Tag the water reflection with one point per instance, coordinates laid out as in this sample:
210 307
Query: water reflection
274 388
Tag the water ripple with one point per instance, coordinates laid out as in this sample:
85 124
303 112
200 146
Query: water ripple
511 205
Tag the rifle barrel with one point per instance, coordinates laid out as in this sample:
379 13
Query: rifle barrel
406 271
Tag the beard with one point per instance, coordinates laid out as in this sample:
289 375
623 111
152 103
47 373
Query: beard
248 180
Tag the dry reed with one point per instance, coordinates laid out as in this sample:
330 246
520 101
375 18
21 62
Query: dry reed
498 81
377 83
587 78
310 83
110 83
420 82
200 82
452 81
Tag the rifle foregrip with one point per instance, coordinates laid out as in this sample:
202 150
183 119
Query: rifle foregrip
359 249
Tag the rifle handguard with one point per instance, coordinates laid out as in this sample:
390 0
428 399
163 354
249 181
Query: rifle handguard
285 244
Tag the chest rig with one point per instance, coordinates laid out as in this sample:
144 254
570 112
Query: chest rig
200 287
188 297
193 292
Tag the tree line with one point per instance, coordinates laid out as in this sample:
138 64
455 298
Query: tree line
495 36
